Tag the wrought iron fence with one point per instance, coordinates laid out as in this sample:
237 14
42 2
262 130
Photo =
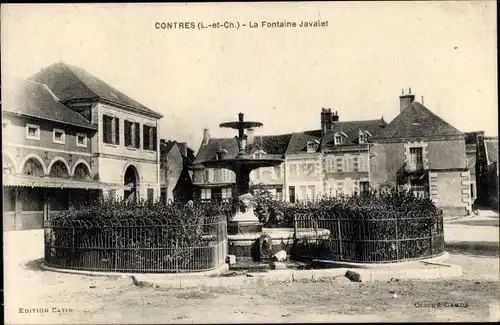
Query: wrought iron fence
148 246
379 238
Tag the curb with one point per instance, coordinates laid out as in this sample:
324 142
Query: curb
444 271
167 276
336 264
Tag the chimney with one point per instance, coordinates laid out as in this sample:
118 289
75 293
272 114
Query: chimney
250 136
405 100
182 147
326 120
335 117
206 136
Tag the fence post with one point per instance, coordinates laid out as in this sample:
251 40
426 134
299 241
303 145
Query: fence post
397 241
430 238
339 234
176 257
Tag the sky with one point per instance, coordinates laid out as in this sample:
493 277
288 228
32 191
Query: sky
282 77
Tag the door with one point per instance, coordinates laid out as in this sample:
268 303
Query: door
291 194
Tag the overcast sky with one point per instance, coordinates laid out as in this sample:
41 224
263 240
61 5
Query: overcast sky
282 77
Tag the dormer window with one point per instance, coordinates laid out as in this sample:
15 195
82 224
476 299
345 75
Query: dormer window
221 154
363 136
339 138
312 146
259 154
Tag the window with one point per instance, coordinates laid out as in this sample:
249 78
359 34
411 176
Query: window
348 163
416 159
291 194
293 170
355 164
81 140
277 171
227 193
279 194
312 146
364 186
32 132
58 136
311 192
340 188
473 189
163 194
302 169
303 193
363 163
149 137
225 175
310 169
151 195
111 129
330 164
206 194
206 175
340 165
132 134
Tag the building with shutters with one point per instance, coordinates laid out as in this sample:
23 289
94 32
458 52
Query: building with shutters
68 135
308 170
420 151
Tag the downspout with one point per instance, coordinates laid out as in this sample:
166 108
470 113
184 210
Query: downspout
158 149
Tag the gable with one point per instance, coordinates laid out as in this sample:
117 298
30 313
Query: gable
417 121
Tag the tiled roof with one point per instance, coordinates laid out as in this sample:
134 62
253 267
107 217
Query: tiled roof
352 128
491 150
271 144
72 83
208 151
298 143
417 121
35 99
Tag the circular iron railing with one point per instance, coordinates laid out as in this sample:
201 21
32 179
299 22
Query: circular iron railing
148 245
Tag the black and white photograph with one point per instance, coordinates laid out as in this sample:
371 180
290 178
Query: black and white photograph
250 162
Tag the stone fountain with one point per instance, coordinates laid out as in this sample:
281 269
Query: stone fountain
244 228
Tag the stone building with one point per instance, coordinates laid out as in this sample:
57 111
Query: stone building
124 148
68 135
46 154
421 151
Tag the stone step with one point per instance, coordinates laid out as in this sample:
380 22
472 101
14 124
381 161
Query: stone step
250 267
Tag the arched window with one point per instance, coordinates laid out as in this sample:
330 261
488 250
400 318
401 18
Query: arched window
82 172
32 167
8 166
59 170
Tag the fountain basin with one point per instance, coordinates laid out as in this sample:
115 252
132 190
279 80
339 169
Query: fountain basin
241 244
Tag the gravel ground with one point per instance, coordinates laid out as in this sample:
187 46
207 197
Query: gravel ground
72 299
117 300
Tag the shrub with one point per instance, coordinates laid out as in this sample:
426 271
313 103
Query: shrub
373 226
137 236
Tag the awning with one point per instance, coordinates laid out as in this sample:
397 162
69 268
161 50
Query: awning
27 181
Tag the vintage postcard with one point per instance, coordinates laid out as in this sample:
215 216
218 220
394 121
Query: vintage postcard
250 162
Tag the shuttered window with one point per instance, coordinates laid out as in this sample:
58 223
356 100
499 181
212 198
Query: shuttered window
149 137
132 132
111 129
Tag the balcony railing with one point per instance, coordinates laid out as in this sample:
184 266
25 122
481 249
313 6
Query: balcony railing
414 167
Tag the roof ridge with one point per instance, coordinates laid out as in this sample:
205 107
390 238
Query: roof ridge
46 88
70 69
